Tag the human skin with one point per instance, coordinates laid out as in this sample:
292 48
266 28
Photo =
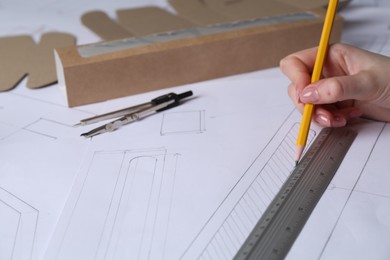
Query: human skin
355 83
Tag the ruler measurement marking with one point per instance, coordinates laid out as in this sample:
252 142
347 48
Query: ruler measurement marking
276 231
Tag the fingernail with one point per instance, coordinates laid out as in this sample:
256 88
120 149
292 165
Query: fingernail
309 95
339 121
322 120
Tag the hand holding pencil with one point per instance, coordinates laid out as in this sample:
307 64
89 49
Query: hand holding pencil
317 71
355 83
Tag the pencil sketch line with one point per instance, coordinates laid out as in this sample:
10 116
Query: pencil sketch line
286 153
221 246
255 205
234 239
73 211
271 176
258 196
160 190
262 187
29 125
350 192
235 221
245 212
372 193
277 175
38 100
231 191
54 122
10 134
190 122
16 229
123 206
249 212
109 209
148 209
38 133
280 160
229 241
171 191
133 187
28 216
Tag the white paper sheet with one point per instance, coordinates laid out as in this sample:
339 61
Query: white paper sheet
40 151
175 177
368 28
331 215
192 166
35 178
376 3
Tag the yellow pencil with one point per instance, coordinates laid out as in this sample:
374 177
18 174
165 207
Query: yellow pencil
317 70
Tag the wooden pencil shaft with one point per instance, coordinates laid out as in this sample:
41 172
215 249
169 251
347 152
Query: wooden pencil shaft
317 70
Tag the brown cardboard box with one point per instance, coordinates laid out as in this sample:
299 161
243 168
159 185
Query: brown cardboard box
112 69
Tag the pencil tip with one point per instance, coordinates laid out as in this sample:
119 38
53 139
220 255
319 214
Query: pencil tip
298 154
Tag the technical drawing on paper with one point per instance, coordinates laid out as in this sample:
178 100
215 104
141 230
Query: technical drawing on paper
43 120
122 208
235 218
6 130
375 43
183 122
52 129
377 3
18 230
365 199
120 205
374 38
41 128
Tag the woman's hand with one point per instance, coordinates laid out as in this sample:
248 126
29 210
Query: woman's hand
355 83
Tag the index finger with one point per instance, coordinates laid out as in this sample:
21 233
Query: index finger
299 66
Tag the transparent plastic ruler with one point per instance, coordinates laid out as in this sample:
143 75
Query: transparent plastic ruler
281 223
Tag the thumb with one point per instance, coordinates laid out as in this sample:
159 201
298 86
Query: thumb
332 90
